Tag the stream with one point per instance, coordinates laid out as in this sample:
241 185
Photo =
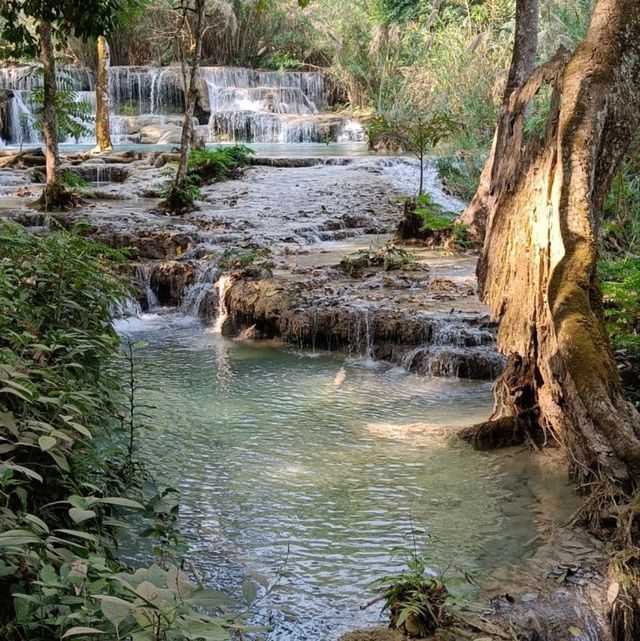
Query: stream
285 470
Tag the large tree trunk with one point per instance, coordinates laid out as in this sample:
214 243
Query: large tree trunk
49 118
538 270
523 62
103 129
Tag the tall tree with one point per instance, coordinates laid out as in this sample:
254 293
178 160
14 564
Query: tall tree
103 125
55 20
180 197
523 62
538 271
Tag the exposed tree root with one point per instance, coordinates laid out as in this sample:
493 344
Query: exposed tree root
501 432
57 198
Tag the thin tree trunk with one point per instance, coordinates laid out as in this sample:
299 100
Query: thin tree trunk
538 269
192 92
50 124
523 62
103 129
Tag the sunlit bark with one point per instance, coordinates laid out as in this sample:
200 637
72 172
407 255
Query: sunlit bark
538 270
103 129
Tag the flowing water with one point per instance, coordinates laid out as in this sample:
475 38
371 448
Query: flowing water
242 105
312 468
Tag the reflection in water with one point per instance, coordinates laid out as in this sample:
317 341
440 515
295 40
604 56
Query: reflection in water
275 461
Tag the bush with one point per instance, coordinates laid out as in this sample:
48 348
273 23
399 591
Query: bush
68 472
460 173
621 292
222 163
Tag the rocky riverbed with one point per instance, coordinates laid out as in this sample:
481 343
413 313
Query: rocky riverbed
299 249
270 255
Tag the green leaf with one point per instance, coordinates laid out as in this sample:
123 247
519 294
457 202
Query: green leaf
80 534
46 443
121 502
38 522
115 609
79 515
249 591
18 537
25 470
77 631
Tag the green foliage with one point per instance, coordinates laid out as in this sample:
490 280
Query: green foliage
388 258
68 474
74 117
460 173
434 216
180 198
218 164
252 262
71 180
621 292
620 231
81 18
283 61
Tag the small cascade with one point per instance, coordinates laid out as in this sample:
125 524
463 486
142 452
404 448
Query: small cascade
222 285
18 119
196 299
362 336
143 278
145 90
455 350
126 308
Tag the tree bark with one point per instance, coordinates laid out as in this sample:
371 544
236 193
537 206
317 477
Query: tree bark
49 117
103 129
523 62
191 94
538 269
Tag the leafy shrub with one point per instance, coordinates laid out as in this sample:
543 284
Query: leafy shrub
75 117
621 291
68 472
460 174
218 164
283 61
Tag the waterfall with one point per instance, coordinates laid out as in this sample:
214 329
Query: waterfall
195 299
146 90
266 106
222 285
143 277
239 105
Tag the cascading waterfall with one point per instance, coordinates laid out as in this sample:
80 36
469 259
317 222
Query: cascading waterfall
238 104
18 121
222 285
195 298
143 277
265 106
450 346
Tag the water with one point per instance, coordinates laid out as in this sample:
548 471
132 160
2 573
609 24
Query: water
322 463
243 105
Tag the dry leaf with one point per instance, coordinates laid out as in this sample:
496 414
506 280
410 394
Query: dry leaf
612 592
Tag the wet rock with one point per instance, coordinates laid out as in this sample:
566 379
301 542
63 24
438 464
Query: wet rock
169 281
